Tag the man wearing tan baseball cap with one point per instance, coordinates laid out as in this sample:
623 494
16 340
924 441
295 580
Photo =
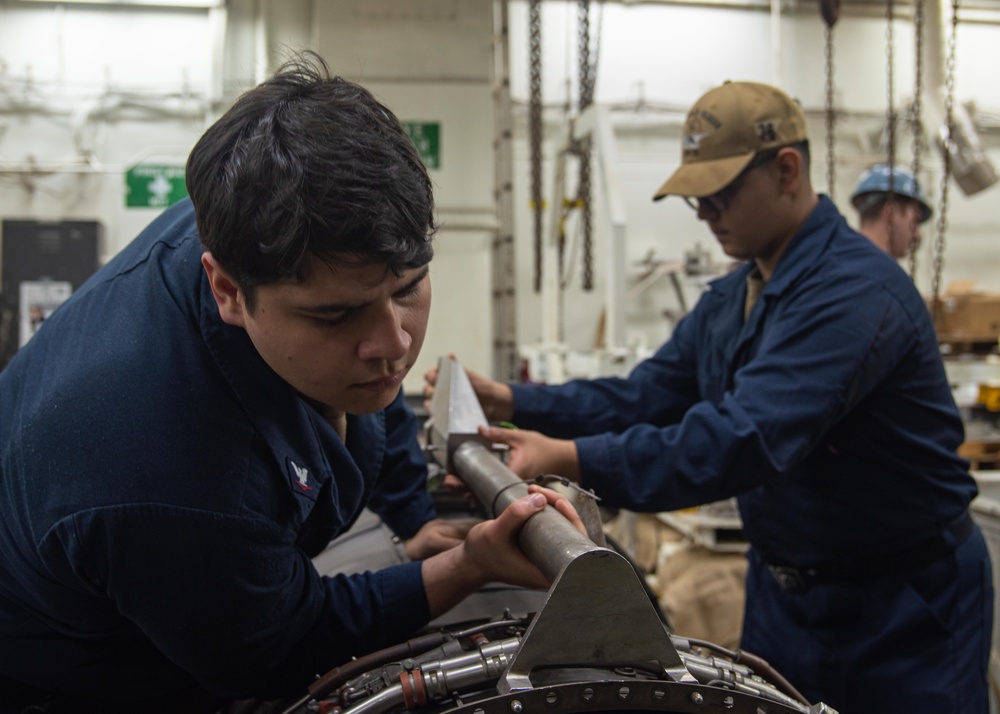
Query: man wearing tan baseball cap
726 129
730 133
808 384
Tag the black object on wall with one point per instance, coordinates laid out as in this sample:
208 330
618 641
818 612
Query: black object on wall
41 263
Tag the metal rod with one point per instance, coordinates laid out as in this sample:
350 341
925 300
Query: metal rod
548 539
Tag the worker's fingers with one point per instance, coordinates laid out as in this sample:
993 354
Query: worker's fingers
452 482
500 435
562 504
525 507
511 561
437 535
527 455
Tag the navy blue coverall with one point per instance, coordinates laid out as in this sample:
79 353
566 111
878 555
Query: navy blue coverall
162 491
828 413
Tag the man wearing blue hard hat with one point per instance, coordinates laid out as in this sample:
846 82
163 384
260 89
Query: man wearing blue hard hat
890 219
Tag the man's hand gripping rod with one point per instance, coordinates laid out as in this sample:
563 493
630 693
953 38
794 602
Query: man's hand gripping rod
597 613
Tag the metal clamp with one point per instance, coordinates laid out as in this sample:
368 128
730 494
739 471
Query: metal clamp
586 506
544 479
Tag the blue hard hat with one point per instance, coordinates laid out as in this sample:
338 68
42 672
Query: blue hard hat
874 184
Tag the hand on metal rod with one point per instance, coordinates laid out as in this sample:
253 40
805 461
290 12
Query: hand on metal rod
438 535
490 553
533 453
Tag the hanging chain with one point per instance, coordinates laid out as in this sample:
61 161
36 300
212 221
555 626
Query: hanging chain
583 54
586 99
535 130
890 107
949 107
831 171
916 122
890 102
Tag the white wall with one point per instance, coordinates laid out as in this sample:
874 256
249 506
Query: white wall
663 57
430 61
111 85
86 92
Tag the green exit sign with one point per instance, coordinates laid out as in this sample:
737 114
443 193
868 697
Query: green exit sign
154 185
426 136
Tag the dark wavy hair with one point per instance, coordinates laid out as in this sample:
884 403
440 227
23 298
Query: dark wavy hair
308 164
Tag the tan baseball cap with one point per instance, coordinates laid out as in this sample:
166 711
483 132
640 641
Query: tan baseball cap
725 129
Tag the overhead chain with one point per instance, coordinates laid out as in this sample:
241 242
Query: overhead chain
916 120
586 99
583 54
506 355
890 103
831 116
535 131
949 122
890 106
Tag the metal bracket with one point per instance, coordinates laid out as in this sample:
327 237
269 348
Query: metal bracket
597 614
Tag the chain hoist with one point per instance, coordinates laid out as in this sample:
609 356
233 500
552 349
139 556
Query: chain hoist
584 190
830 11
890 91
890 109
916 121
949 146
535 131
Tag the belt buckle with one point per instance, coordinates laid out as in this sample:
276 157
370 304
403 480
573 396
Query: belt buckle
789 579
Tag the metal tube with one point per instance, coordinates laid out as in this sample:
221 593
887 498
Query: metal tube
548 539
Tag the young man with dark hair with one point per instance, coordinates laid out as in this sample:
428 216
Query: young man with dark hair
216 404
808 384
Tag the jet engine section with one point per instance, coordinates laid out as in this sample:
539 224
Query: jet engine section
594 642
465 671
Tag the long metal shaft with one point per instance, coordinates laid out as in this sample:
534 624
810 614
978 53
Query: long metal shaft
548 539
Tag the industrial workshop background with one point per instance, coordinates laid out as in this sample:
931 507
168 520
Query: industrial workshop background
100 103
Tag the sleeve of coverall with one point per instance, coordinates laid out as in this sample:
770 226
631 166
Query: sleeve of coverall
824 351
658 391
232 600
401 497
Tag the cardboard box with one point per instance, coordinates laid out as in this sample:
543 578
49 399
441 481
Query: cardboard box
965 315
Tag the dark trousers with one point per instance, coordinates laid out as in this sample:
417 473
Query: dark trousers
915 642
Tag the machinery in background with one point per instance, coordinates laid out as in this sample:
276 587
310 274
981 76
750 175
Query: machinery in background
551 361
595 642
